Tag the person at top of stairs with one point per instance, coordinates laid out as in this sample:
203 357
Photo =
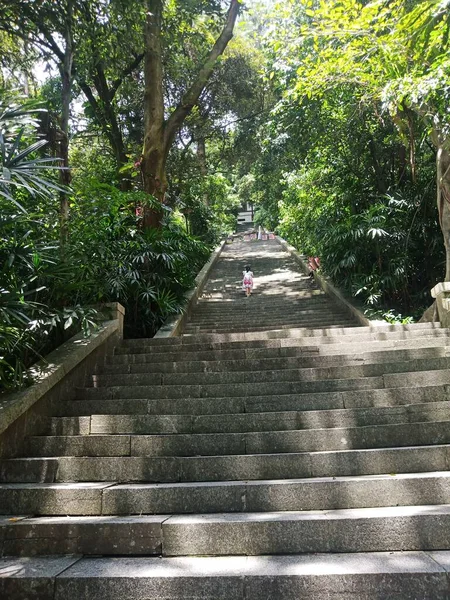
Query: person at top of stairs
247 282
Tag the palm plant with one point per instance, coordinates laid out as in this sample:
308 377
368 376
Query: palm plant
23 175
21 168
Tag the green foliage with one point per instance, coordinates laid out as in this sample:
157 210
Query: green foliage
209 206
20 166
344 167
146 271
47 293
29 264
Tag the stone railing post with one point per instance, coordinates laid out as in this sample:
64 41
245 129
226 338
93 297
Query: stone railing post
441 292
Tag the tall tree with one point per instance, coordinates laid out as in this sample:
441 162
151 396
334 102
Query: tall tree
93 42
395 54
159 131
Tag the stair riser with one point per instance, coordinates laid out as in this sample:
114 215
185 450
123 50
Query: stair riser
334 323
254 497
313 298
285 536
134 536
314 440
292 337
320 332
223 497
299 316
278 421
38 501
247 311
330 351
282 363
142 536
228 468
242 389
271 372
347 577
257 404
291 333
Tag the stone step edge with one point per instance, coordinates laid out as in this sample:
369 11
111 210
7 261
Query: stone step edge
311 465
332 412
403 363
356 358
399 575
112 485
193 330
319 332
172 534
307 343
310 432
231 496
248 401
350 349
105 384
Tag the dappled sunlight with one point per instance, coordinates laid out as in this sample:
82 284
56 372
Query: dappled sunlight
11 570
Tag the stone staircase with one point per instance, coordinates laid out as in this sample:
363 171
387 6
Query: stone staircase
283 297
259 456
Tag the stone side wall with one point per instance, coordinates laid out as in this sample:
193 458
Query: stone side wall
25 413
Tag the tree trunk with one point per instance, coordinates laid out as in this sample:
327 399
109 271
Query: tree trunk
443 200
201 157
379 178
107 119
153 163
158 133
66 78
402 164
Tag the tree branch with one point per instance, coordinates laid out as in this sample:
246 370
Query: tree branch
191 97
131 67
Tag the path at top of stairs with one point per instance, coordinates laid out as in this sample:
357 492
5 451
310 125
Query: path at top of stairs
283 296
259 456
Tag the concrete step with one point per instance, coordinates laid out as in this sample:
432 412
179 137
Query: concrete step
100 401
52 498
243 308
320 335
122 469
307 324
303 332
301 297
365 576
316 315
307 292
292 372
325 493
278 349
273 359
266 325
88 535
400 528
263 442
269 388
196 390
270 421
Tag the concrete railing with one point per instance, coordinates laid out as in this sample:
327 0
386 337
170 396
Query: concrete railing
325 284
25 412
441 292
175 325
